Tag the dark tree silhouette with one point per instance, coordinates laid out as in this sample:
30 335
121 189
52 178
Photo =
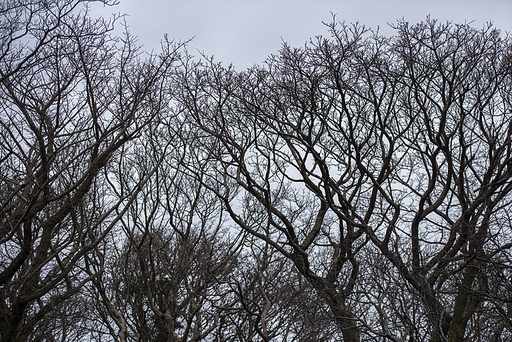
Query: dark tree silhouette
356 189
71 98
401 142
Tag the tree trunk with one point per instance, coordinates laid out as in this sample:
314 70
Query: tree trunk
465 306
347 323
336 301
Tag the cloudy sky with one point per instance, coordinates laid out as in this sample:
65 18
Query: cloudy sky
245 32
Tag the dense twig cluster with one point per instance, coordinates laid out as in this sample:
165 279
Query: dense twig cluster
355 189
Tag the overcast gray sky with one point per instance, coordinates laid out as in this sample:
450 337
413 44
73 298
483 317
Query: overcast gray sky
245 32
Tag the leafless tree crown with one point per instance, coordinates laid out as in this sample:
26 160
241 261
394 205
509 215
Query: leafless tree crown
356 189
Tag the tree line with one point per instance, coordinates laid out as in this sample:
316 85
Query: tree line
354 189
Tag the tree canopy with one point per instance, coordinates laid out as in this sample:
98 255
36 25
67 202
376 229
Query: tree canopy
358 188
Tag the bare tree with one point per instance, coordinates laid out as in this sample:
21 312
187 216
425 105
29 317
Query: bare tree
174 254
71 98
455 169
403 142
357 188
265 287
267 147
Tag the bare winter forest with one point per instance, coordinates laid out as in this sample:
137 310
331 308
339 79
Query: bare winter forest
357 188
